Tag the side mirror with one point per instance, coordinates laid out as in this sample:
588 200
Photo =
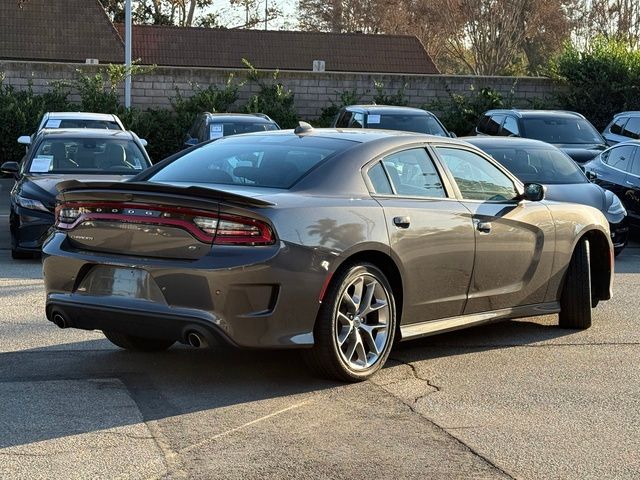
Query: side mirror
24 140
592 176
143 142
453 135
190 142
534 192
10 168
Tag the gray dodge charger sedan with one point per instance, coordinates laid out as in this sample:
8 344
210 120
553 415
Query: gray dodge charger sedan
337 242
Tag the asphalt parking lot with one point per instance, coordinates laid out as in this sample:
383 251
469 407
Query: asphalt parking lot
521 399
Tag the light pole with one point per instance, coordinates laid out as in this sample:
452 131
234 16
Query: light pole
266 12
127 53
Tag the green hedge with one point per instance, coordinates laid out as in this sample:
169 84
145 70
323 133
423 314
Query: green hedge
601 80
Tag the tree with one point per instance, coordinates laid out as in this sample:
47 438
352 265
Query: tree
158 12
613 19
340 16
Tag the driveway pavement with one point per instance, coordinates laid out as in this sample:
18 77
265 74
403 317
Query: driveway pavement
520 399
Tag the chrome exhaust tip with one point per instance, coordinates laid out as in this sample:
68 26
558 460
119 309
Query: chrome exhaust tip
196 340
60 321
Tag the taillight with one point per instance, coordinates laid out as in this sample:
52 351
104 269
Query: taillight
208 227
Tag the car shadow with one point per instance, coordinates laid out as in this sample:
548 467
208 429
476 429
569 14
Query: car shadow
185 380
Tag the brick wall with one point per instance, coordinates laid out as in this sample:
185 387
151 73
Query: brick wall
313 91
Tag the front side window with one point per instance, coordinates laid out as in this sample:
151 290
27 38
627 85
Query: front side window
476 177
619 157
413 173
357 121
632 128
618 124
88 156
510 127
252 160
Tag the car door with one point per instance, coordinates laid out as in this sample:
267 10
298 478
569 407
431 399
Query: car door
430 233
631 196
515 239
613 168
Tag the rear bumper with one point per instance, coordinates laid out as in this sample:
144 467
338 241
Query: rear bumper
264 297
142 319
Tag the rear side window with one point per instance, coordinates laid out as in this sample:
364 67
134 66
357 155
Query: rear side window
379 180
413 174
632 128
494 124
619 157
617 125
259 161
635 168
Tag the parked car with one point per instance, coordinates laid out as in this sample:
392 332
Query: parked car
624 126
209 126
56 156
66 120
569 131
387 117
618 169
533 161
332 241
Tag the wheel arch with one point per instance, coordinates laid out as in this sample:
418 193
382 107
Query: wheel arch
388 267
601 263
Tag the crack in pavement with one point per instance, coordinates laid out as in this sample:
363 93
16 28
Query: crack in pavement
412 407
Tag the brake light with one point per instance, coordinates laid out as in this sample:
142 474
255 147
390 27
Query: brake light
208 227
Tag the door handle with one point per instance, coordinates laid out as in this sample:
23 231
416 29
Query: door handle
630 183
402 222
484 227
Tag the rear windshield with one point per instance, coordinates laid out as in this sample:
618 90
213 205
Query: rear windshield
407 123
276 161
225 129
71 123
538 164
87 156
561 130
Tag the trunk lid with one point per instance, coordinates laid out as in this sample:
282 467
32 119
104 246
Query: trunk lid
155 220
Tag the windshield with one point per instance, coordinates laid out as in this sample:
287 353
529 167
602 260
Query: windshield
76 123
260 161
88 156
561 130
538 164
225 129
407 123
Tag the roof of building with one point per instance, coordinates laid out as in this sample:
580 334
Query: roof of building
77 30
284 50
48 30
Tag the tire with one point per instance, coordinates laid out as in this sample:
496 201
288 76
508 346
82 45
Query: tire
352 339
137 344
575 302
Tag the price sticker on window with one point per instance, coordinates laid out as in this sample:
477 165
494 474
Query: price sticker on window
216 130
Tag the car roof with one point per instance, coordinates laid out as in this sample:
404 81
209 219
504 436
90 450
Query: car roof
81 116
241 117
85 133
358 135
482 141
387 109
524 113
631 112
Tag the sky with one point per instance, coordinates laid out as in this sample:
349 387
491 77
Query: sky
235 16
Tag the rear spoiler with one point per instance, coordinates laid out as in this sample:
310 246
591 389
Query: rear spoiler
70 186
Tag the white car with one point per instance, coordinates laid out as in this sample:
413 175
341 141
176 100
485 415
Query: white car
55 120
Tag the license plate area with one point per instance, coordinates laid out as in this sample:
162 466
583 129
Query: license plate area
108 281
